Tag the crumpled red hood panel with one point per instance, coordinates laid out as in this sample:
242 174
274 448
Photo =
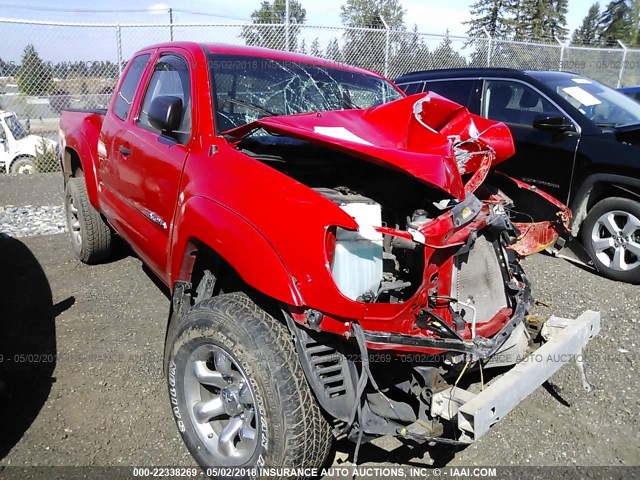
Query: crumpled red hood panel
413 134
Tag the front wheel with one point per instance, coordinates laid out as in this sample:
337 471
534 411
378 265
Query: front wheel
23 166
238 392
611 235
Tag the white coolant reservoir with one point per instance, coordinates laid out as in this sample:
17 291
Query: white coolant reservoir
357 261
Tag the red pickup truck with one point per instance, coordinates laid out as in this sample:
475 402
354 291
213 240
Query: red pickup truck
341 260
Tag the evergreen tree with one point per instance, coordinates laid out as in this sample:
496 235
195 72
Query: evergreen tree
589 31
556 24
34 76
303 47
535 20
617 23
490 15
333 51
514 24
314 50
366 48
444 56
412 54
635 23
274 13
367 13
534 14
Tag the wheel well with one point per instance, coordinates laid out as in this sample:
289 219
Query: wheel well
227 279
199 259
72 164
605 190
599 191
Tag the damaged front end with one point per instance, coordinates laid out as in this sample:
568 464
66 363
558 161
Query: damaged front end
423 293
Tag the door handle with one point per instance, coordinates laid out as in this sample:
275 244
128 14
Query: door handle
124 150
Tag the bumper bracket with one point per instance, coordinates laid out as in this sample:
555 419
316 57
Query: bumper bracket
565 340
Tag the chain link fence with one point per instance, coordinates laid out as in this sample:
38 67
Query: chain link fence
46 67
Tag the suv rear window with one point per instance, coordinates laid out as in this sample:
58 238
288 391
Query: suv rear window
412 88
124 97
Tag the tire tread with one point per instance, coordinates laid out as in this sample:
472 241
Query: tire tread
308 437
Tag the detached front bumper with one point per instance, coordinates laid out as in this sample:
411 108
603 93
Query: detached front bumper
476 414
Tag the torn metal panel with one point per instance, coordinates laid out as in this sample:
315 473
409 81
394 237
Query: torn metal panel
536 236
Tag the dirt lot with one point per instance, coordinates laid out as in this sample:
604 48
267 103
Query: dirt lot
89 388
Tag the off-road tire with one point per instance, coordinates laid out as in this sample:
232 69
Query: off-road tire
293 430
20 164
623 207
96 238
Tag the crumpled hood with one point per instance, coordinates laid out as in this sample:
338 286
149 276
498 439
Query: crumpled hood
414 134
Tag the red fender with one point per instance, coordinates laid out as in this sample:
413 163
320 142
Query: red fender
238 242
79 128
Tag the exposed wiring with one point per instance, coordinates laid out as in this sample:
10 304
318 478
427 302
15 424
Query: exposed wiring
455 385
473 319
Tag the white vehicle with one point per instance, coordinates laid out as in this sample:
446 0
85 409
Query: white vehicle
18 148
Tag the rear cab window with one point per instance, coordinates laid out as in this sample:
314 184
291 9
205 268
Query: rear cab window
124 96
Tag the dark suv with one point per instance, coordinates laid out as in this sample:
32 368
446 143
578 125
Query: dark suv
575 138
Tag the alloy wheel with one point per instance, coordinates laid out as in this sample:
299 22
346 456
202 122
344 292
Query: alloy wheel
616 240
221 405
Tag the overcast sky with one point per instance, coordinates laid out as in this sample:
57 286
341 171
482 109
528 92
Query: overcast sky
57 44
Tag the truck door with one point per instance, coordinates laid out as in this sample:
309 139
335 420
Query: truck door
543 158
150 162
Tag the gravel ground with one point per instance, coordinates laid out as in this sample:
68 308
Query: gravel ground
92 391
31 205
32 220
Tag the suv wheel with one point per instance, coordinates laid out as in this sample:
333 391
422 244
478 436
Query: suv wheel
238 392
611 235
91 237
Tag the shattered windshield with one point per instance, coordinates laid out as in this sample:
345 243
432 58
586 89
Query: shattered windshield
247 88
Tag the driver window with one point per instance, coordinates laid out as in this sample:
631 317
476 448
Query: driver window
514 102
170 78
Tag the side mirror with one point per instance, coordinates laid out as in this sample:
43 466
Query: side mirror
165 113
553 123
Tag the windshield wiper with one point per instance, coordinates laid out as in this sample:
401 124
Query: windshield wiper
250 105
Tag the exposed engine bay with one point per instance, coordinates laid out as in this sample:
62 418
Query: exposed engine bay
434 263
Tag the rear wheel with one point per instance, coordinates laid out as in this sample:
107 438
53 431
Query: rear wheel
238 392
611 235
91 237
